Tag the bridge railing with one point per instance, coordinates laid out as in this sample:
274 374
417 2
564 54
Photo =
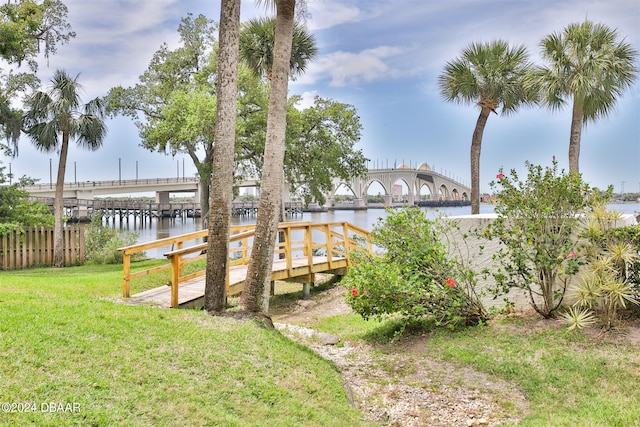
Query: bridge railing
113 183
335 241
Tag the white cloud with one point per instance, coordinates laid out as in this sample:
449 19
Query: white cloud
326 14
348 68
306 99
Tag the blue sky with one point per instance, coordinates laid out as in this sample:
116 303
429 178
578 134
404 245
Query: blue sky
383 57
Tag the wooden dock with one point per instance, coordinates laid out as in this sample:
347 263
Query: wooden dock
305 249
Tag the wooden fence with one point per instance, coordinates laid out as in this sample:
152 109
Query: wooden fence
33 246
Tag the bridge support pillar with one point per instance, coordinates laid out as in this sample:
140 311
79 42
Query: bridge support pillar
329 203
388 200
359 203
82 209
410 199
162 197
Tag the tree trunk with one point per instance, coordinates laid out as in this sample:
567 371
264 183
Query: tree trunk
574 138
58 242
222 176
259 270
204 197
476 143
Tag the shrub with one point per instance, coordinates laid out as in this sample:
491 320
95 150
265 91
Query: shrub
628 236
102 242
415 277
17 209
536 226
610 280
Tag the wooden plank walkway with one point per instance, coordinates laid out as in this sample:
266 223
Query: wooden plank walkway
191 292
302 249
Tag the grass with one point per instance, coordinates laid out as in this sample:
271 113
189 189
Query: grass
568 378
63 341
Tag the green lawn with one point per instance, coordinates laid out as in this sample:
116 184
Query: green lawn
62 341
568 378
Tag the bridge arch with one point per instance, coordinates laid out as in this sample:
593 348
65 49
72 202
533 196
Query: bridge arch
431 194
372 182
444 193
402 182
337 185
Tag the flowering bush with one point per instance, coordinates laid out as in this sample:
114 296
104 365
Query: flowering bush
536 225
415 277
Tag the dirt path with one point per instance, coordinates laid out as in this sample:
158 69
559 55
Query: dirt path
398 385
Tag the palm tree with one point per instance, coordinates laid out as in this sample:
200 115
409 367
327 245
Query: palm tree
257 44
52 119
587 64
221 196
491 76
259 269
256 50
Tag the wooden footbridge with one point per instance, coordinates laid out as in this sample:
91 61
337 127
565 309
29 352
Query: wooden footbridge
302 250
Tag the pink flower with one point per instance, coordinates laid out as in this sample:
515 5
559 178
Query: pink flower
571 255
354 292
450 282
500 176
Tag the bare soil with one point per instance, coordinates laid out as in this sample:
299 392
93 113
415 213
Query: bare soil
399 385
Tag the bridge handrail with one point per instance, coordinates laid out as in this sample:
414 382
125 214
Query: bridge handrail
337 244
178 240
114 183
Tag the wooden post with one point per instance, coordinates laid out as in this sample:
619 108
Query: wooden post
175 277
308 246
287 248
126 271
347 245
306 290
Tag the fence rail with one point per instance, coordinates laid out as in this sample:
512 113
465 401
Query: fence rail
33 246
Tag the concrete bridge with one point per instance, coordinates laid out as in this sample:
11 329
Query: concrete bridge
89 189
440 187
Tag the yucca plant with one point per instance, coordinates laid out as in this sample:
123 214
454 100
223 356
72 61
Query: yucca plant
622 255
578 318
615 294
605 286
587 292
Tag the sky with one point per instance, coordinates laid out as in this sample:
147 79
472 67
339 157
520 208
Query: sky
381 56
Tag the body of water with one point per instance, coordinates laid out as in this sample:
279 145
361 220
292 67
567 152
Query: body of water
160 228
